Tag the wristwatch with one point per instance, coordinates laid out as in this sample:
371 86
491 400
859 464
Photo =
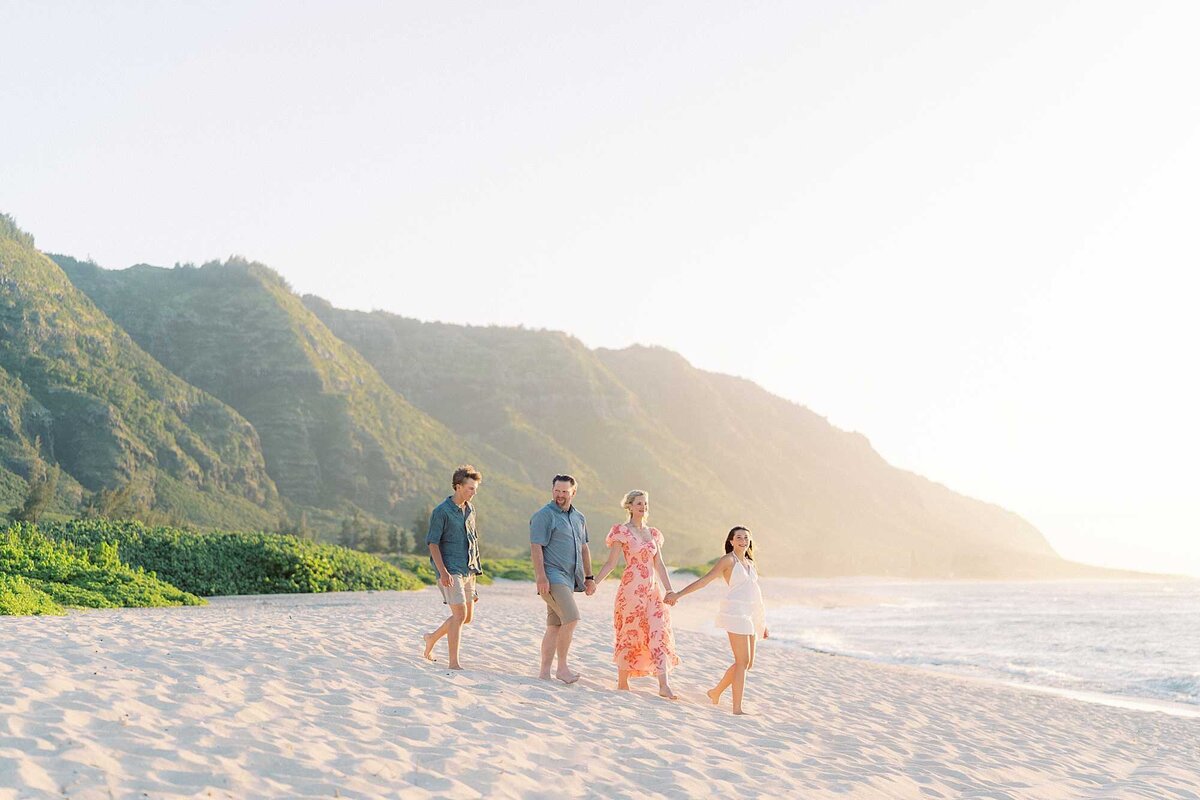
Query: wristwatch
587 578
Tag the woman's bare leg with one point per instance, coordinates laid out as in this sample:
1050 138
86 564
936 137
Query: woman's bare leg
664 684
623 679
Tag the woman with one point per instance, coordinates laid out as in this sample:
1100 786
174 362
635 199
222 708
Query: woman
741 613
644 644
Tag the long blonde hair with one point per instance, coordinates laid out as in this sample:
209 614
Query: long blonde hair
627 502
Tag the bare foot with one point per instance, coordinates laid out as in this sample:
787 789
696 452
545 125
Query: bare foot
714 695
455 666
566 677
665 691
741 713
624 687
429 643
545 676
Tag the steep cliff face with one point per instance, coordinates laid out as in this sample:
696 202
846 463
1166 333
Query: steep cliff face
551 405
212 386
85 396
846 510
713 450
334 435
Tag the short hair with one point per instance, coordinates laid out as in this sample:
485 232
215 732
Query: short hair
563 479
462 473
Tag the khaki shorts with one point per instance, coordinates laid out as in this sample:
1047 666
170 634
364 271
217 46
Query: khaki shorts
560 605
461 587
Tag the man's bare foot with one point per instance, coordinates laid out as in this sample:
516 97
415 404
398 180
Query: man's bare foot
544 676
566 677
429 643
456 666
714 695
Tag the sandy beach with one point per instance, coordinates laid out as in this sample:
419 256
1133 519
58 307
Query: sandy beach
328 696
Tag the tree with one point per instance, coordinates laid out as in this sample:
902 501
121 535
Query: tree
42 486
415 543
376 540
354 531
303 531
420 526
118 503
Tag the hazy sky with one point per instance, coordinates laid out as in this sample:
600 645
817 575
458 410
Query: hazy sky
967 230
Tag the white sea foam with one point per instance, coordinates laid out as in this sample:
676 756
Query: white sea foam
1120 638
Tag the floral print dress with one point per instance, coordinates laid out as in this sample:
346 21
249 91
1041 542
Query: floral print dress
644 643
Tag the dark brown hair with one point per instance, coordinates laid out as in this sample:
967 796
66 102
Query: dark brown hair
729 541
462 473
563 479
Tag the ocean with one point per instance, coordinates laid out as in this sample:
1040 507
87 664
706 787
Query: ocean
1120 639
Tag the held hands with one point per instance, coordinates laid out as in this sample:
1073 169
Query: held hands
589 587
672 598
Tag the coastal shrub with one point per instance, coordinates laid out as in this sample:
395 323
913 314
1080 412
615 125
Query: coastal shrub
416 565
698 569
18 598
513 569
42 575
210 563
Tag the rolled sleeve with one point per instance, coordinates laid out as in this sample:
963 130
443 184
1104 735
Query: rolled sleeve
437 527
540 525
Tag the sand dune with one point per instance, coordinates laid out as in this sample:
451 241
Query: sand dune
328 696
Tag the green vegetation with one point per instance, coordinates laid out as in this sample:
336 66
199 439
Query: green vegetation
697 569
333 434
513 569
223 563
18 598
214 396
40 575
76 391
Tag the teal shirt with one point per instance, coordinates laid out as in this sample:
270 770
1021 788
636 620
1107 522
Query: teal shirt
453 530
562 535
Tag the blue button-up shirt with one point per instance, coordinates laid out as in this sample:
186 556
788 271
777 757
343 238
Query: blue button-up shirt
453 530
562 535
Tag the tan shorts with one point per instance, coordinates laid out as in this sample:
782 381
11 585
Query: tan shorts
560 605
461 587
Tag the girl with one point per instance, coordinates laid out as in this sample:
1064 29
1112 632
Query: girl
741 613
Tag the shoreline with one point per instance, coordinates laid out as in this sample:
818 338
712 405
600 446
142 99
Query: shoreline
849 593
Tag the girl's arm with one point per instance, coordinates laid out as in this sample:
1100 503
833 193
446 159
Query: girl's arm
610 565
720 568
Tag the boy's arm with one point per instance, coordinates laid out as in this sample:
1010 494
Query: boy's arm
434 539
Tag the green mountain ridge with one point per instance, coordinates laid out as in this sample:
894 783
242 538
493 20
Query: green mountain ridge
232 402
544 399
78 392
334 436
712 449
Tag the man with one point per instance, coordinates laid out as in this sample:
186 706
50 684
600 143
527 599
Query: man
454 552
562 564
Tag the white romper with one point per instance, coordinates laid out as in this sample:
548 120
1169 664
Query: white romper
742 610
